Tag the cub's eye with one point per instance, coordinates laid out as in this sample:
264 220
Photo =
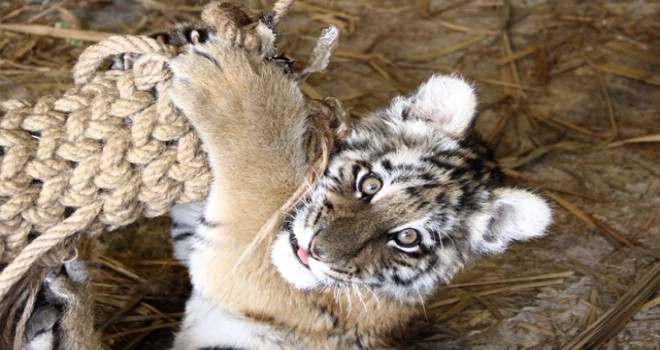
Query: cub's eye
407 238
369 184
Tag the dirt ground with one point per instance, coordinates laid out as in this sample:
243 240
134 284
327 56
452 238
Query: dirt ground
569 99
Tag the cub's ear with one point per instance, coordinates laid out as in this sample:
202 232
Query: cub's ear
516 215
449 102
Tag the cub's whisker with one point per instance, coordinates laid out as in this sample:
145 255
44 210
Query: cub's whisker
358 293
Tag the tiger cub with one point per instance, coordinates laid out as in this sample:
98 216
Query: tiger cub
409 197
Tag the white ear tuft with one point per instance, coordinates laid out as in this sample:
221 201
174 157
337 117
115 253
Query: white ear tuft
448 101
517 215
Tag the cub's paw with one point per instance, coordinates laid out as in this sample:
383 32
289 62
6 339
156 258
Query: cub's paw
63 309
199 79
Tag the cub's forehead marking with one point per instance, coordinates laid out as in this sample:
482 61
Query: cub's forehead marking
347 159
406 155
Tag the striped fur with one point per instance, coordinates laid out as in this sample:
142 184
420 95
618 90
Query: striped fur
437 177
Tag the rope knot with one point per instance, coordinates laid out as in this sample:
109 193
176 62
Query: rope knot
151 69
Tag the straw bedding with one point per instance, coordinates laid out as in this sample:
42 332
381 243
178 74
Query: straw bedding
569 98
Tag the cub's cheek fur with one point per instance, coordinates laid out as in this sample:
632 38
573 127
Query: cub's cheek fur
289 266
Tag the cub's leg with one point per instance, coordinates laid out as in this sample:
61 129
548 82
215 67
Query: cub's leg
209 326
250 116
206 324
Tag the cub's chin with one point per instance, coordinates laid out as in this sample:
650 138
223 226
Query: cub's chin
289 264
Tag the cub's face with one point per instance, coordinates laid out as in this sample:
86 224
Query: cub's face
407 200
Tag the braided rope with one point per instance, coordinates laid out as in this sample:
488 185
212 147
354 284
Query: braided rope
110 150
90 60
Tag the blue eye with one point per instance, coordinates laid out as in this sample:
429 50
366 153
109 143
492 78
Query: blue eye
369 185
407 238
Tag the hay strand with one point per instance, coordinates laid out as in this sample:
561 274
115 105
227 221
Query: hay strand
75 34
507 289
619 314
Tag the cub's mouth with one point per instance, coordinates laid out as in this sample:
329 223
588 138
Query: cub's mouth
298 251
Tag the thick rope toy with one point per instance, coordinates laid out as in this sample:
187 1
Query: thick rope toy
111 150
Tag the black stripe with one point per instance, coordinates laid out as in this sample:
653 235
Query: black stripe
412 177
329 204
398 281
413 191
441 198
477 166
387 165
405 113
458 172
207 56
317 217
341 174
407 167
333 178
358 341
402 262
446 241
426 176
205 222
182 236
288 224
382 153
364 164
435 236
406 282
326 312
356 145
355 169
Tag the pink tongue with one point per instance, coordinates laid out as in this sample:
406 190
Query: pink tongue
303 256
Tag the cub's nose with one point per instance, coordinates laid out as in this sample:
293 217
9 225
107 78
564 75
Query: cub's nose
317 251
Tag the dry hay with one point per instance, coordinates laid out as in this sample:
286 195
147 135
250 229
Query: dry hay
569 98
